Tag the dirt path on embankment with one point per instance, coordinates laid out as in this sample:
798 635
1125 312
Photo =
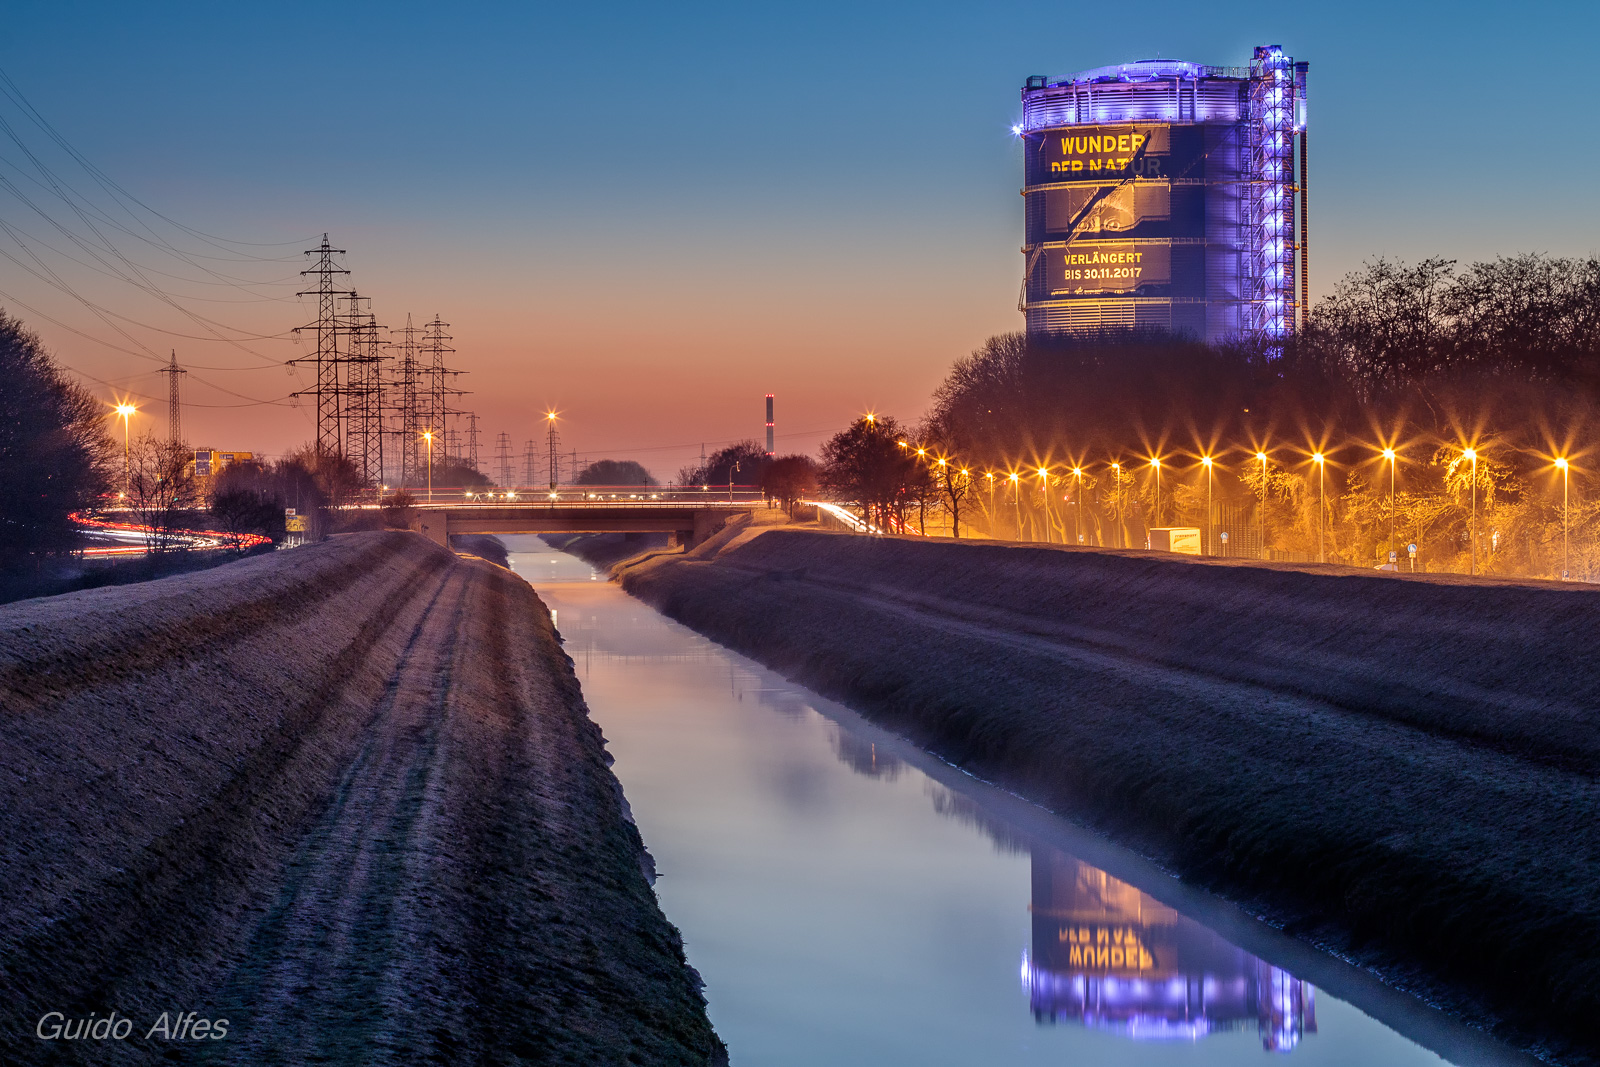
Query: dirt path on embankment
347 798
1405 772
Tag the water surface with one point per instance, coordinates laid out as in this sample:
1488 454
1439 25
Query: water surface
850 900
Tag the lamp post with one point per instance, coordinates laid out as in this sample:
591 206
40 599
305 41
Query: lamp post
427 435
1389 455
1077 472
1262 517
990 475
1016 500
1116 503
1472 529
1206 462
1155 462
1044 500
1322 555
1565 468
126 410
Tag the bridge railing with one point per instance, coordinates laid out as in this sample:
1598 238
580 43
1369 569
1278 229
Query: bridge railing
581 494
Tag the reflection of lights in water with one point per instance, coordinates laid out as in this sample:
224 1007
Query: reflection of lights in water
1113 958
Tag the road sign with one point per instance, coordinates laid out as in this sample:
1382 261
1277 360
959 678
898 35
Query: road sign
1393 555
1412 549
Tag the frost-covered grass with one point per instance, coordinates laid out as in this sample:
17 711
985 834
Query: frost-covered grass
346 796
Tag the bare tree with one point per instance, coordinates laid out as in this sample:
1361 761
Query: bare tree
789 479
161 485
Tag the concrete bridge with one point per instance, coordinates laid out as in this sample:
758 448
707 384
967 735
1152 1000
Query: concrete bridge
690 522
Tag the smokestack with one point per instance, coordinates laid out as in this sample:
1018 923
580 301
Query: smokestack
769 426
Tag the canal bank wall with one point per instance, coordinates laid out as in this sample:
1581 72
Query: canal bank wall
343 803
1401 771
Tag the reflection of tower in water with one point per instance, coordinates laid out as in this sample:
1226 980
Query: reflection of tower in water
1111 957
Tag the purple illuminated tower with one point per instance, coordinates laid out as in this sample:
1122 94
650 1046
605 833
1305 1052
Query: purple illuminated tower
1162 194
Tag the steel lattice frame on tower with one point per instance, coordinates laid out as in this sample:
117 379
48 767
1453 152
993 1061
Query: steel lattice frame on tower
530 457
408 415
472 439
363 408
1270 303
555 454
174 421
502 455
434 372
328 361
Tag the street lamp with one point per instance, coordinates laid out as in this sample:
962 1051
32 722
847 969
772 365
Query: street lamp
126 410
1320 460
1155 462
1077 472
1116 503
1210 531
427 435
1262 456
1565 468
1472 530
1016 500
990 475
1389 455
1044 500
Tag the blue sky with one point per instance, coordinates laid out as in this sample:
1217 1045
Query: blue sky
651 215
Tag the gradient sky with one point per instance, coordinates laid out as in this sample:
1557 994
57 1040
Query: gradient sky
650 215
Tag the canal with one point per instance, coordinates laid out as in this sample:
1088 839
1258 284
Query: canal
849 899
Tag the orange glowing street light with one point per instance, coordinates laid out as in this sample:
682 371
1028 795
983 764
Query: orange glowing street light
427 435
1566 469
1389 454
1262 456
126 411
1321 462
1472 454
1155 463
1044 498
1077 472
1205 461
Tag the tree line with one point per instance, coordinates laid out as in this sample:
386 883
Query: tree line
1500 360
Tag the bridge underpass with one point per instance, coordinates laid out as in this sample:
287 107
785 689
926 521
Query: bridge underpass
689 523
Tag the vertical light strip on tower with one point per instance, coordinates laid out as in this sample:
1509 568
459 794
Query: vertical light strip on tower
1305 230
1270 303
769 426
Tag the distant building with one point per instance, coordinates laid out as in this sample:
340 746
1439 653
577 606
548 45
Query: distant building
1162 194
209 463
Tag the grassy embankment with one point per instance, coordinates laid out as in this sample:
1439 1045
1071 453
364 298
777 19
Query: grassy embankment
1401 770
347 797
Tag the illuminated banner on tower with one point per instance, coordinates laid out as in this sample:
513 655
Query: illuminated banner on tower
1087 152
1105 267
1151 152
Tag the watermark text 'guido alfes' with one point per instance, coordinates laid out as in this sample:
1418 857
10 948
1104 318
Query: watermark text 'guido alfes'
168 1026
